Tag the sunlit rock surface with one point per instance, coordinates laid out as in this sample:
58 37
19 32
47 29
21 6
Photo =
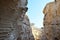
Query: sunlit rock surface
12 13
37 33
52 20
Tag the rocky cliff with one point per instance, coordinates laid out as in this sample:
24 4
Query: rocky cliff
52 20
12 13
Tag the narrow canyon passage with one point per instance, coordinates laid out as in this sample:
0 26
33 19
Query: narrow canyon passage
15 24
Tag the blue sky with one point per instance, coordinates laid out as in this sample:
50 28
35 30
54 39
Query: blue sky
35 11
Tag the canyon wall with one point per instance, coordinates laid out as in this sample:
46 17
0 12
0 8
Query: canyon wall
52 20
12 15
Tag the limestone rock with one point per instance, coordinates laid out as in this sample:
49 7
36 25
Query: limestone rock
12 13
52 20
8 30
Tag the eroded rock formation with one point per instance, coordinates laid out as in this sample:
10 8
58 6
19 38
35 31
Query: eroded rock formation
12 14
52 20
25 32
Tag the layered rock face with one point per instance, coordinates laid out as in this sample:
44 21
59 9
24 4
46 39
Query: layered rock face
12 14
52 20
8 22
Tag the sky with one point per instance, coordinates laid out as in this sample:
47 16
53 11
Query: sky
35 11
